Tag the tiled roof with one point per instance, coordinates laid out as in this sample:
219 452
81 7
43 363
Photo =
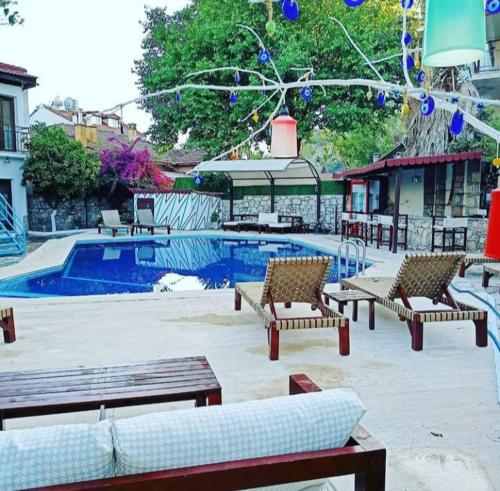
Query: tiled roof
12 69
16 75
183 157
408 162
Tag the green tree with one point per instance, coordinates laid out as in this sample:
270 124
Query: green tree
205 35
58 167
8 15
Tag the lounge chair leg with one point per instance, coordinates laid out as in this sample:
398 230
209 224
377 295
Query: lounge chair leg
371 315
355 310
486 279
327 300
9 329
417 335
237 301
113 232
288 305
344 343
461 271
274 342
371 481
482 332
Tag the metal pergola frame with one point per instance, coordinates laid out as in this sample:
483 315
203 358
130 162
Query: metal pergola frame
269 175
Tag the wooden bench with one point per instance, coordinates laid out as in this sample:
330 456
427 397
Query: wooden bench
362 456
41 392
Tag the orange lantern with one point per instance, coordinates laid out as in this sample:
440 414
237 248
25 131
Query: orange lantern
284 136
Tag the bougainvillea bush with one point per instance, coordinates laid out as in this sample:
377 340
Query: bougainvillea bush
125 166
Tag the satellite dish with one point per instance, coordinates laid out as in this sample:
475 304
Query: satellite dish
57 102
71 105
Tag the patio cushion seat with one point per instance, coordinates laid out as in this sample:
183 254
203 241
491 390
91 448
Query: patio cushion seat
280 225
493 268
267 218
55 455
235 223
252 429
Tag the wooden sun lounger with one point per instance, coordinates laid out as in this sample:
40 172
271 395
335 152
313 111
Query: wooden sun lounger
423 275
471 259
293 280
7 324
242 221
112 221
146 220
489 271
362 456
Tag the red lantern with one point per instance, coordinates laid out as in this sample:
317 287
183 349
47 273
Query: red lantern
284 136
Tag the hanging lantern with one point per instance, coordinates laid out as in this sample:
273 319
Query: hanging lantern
427 107
290 9
284 136
306 93
457 123
455 32
264 56
381 99
354 3
493 7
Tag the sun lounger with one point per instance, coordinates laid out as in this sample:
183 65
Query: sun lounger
241 221
489 271
7 324
425 275
257 443
146 220
293 280
471 259
112 221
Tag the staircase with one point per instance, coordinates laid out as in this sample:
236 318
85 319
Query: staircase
12 230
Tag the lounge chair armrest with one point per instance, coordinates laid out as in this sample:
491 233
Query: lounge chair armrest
301 383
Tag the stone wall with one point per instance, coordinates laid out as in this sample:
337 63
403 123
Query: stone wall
420 230
304 206
73 214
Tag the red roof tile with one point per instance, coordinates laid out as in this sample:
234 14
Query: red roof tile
12 69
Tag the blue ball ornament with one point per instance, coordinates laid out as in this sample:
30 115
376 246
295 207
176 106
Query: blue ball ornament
199 180
427 107
457 123
290 9
264 56
423 96
410 63
306 93
354 3
233 98
407 39
381 99
479 106
493 7
454 100
396 94
421 77
407 4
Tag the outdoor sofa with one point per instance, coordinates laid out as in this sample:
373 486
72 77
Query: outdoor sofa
111 221
7 324
489 271
425 275
293 280
305 440
240 222
145 219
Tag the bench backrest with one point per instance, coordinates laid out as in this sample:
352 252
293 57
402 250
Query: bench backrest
111 218
145 216
267 218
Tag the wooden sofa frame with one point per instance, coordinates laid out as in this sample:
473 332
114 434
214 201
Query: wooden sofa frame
361 456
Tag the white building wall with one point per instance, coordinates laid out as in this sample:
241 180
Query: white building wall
43 115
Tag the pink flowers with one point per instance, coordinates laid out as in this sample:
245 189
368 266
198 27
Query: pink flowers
135 167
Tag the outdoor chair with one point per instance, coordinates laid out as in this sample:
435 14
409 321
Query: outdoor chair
449 228
354 225
293 280
385 223
425 275
145 219
239 222
302 441
112 221
472 259
7 324
489 271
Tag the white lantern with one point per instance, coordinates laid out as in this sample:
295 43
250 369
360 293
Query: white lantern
284 136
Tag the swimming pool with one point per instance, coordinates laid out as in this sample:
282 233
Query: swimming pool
173 264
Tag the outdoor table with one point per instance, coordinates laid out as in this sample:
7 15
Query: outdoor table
41 392
345 296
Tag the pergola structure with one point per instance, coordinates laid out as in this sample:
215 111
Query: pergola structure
275 172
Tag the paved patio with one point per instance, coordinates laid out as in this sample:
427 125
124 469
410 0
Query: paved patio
436 411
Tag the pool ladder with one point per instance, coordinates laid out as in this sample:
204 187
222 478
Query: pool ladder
356 243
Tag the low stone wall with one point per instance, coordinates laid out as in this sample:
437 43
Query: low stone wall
420 234
291 205
73 214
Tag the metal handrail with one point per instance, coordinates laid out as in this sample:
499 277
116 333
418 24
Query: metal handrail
363 261
355 242
18 233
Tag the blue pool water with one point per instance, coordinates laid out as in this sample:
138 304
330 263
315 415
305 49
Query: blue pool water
176 264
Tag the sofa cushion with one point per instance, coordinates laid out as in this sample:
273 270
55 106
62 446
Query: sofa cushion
212 434
55 455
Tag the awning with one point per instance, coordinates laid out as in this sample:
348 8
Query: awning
261 172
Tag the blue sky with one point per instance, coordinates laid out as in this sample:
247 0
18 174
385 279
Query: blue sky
81 49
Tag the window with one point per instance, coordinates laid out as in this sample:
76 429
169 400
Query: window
7 124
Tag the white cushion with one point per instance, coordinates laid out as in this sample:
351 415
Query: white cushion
280 225
267 218
252 429
455 222
55 455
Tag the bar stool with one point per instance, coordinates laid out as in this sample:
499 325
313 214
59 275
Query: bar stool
386 224
449 228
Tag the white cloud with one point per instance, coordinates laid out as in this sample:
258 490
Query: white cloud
83 50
